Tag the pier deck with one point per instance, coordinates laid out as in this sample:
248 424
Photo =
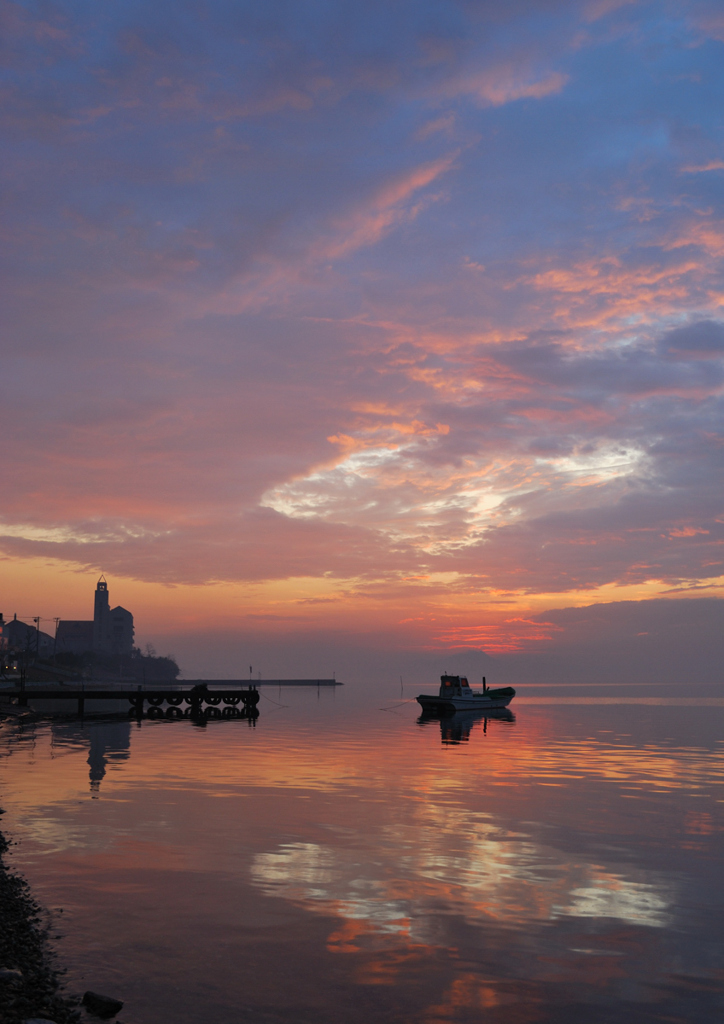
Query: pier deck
196 693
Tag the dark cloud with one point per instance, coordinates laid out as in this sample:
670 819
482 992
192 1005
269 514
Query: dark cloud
675 642
703 339
672 641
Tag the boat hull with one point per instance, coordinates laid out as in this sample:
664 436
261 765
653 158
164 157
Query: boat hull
475 702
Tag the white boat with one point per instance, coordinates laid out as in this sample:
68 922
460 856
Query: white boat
456 695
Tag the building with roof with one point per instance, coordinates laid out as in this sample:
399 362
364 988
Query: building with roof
110 631
19 637
75 635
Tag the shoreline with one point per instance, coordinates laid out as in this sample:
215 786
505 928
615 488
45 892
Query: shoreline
25 947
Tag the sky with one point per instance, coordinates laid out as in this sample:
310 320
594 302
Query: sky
341 331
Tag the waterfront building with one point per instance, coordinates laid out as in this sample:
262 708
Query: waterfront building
75 636
20 637
121 631
110 631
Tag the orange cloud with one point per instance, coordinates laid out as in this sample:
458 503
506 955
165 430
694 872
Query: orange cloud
516 634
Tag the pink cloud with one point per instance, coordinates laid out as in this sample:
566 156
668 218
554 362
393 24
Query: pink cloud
371 222
710 22
710 165
594 10
504 84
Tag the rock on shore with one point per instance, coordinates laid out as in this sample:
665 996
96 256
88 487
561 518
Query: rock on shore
29 979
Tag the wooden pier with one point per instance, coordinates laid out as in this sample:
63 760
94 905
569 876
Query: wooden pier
196 693
196 697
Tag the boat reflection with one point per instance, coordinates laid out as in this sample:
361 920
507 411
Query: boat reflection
455 728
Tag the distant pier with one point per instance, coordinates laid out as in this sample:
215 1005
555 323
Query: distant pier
260 682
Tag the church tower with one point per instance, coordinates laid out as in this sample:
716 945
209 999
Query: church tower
102 640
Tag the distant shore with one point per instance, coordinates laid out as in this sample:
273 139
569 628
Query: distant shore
30 979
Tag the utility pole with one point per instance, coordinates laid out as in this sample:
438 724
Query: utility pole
55 639
36 620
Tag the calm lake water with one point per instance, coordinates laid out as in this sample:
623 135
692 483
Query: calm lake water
334 863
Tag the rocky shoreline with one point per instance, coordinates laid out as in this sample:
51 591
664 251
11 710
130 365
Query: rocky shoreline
30 979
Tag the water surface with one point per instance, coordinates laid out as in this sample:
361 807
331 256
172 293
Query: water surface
334 862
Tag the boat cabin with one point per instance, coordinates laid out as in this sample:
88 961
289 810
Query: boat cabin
454 686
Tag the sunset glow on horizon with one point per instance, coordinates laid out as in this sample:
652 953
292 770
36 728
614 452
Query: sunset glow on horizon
397 324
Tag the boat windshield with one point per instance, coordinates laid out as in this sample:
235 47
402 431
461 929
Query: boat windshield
453 685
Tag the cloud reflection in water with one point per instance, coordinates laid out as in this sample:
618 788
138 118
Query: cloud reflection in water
460 864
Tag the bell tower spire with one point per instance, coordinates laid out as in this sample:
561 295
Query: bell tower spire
101 618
